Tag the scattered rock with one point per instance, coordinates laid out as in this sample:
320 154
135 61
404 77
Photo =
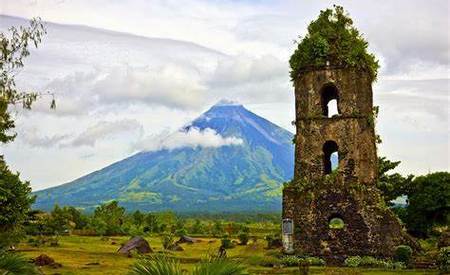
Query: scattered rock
187 239
96 263
137 243
43 259
113 242
176 247
55 265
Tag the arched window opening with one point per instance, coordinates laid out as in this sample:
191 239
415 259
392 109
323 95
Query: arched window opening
330 100
332 108
336 223
331 157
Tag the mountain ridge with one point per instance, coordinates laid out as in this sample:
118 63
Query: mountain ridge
234 177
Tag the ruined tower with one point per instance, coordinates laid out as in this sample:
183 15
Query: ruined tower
332 208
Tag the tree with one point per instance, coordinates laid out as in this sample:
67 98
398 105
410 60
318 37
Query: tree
108 218
333 38
138 218
151 223
428 203
392 185
15 200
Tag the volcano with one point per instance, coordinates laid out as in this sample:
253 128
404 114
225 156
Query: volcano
244 175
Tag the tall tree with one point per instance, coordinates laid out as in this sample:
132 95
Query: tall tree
428 203
108 218
392 185
15 200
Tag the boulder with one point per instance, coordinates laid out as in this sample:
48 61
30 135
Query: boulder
186 239
136 243
45 260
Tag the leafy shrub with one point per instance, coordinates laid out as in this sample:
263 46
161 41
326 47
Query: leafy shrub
295 261
243 238
156 265
353 261
444 259
167 240
290 260
163 265
403 254
315 261
218 266
226 243
368 261
12 263
332 37
273 241
44 240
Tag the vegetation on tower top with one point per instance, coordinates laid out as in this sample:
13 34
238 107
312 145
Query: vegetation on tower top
333 38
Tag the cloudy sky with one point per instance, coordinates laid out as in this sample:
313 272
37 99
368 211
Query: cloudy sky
128 72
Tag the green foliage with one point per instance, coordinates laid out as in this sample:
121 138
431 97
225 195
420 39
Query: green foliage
14 48
163 265
333 38
429 203
273 241
218 228
151 223
336 223
444 260
219 266
15 199
290 260
167 240
403 253
15 202
197 227
156 265
353 261
108 219
226 242
243 238
392 185
368 261
13 263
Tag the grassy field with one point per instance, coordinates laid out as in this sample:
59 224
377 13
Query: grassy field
96 255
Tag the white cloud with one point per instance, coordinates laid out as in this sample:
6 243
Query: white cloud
191 53
105 130
193 137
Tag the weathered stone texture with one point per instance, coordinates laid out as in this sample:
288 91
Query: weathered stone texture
349 193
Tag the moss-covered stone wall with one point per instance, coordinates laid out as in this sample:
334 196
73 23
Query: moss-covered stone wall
312 199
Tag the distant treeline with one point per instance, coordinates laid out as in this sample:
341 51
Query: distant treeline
113 219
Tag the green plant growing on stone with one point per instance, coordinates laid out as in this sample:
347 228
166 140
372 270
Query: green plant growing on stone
333 38
403 253
443 260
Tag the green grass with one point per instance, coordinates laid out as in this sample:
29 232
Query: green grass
94 255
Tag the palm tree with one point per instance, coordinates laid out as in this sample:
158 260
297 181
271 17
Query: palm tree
156 265
163 265
15 264
219 266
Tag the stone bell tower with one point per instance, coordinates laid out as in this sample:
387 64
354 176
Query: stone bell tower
332 208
